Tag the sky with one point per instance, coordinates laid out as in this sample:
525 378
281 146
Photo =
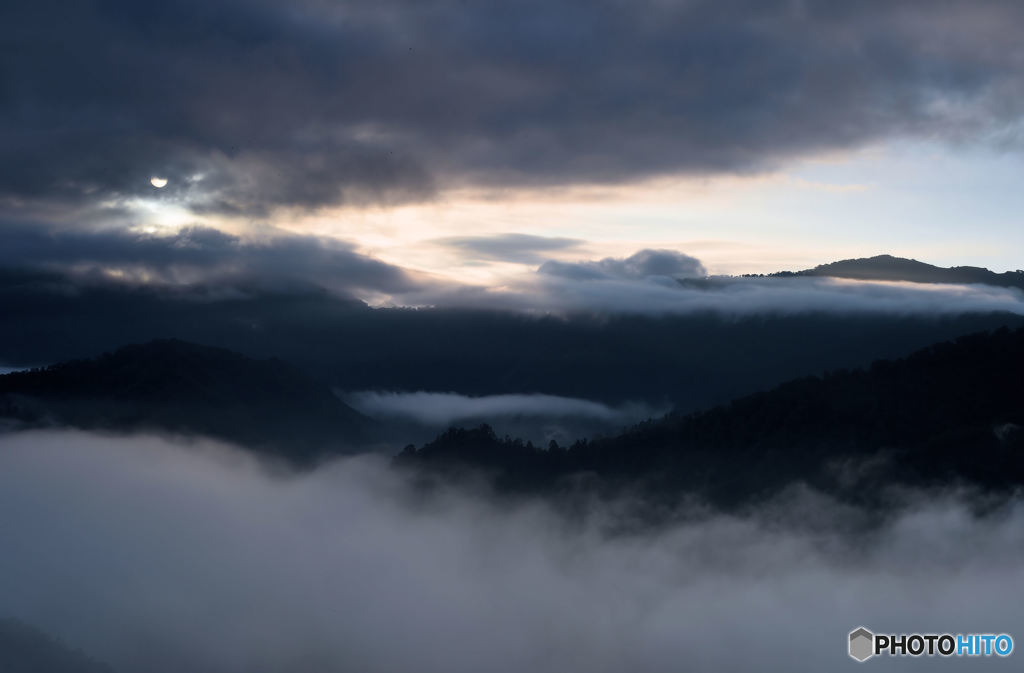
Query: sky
466 143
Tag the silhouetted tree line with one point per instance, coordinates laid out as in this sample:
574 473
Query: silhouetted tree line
180 387
952 413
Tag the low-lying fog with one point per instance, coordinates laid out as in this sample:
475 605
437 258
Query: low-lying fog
418 417
159 556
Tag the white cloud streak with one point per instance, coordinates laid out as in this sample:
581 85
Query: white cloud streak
436 408
728 295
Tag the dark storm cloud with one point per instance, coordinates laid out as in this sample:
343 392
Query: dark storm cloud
248 105
201 255
520 248
155 556
642 265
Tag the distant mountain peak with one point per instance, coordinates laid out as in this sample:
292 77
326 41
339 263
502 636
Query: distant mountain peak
891 268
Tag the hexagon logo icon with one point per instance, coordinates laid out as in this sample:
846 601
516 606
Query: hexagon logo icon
862 644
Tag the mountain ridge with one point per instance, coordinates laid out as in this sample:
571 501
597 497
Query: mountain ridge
25 649
950 414
891 268
182 387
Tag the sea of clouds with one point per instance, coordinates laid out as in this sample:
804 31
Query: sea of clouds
161 555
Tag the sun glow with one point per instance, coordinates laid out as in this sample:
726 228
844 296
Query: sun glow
156 216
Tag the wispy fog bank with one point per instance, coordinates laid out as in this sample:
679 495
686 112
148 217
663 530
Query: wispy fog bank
418 417
571 290
160 557
443 408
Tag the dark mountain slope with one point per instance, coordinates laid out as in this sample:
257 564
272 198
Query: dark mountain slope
887 267
951 413
691 361
186 388
24 649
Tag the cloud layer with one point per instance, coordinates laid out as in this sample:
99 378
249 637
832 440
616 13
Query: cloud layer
444 408
520 248
643 265
647 282
244 106
669 282
164 557
420 416
197 255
